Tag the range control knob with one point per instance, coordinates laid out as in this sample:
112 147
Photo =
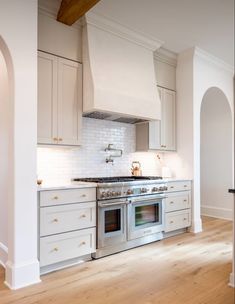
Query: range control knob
155 189
161 188
143 190
103 194
108 194
114 193
165 188
129 192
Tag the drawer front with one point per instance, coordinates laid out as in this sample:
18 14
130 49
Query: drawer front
66 218
62 247
179 201
179 186
177 220
59 197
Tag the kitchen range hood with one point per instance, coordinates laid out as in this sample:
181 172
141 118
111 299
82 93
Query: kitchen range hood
118 72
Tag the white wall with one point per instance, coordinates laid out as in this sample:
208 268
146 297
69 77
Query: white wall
4 159
18 43
216 155
59 39
59 165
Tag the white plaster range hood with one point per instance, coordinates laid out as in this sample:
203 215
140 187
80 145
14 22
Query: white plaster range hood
118 72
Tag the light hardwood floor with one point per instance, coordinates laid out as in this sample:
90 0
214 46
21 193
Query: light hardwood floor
184 269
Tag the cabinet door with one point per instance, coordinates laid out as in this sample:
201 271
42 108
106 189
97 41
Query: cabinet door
69 102
168 120
47 98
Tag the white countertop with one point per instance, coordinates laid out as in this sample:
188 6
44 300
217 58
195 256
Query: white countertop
80 185
75 185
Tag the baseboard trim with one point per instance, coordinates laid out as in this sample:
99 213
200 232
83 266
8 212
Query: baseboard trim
22 275
3 254
232 280
222 213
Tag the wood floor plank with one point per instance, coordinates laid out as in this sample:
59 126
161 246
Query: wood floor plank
186 269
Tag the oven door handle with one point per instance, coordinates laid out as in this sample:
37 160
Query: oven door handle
135 201
103 205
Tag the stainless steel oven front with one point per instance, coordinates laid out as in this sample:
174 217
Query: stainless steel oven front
145 216
112 221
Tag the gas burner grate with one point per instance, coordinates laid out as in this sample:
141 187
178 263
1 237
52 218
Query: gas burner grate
116 179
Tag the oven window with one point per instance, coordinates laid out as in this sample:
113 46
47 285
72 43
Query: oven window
112 220
146 214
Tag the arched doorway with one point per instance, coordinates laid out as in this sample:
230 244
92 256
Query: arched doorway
216 155
6 151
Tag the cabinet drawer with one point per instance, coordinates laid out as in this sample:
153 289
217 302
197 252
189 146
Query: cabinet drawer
58 219
61 247
179 201
178 186
59 197
177 220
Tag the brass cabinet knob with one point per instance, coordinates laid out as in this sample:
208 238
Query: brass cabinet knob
55 197
55 220
185 200
83 243
83 195
55 138
60 139
83 215
171 222
56 249
185 219
185 186
171 202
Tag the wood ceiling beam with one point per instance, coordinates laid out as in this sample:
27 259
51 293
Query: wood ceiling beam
71 10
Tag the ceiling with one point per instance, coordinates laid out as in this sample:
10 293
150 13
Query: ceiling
181 24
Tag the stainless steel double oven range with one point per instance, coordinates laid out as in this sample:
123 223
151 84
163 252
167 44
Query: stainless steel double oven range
130 212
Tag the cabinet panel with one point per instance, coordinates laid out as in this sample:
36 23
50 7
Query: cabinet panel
168 120
179 186
177 220
70 196
178 201
65 218
47 98
65 246
159 135
69 102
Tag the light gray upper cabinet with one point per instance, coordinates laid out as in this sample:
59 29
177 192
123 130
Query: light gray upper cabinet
59 100
159 135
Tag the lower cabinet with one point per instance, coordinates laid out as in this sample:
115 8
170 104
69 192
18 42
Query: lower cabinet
67 225
178 206
65 246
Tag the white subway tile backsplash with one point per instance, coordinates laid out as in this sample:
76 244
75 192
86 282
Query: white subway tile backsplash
57 165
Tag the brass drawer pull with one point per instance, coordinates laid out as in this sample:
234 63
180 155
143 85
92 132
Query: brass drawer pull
83 195
172 187
60 139
55 138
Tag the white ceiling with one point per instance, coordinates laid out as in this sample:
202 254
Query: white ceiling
181 24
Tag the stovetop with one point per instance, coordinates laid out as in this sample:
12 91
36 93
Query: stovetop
116 179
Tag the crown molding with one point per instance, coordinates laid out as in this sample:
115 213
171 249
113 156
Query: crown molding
119 30
213 60
166 56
